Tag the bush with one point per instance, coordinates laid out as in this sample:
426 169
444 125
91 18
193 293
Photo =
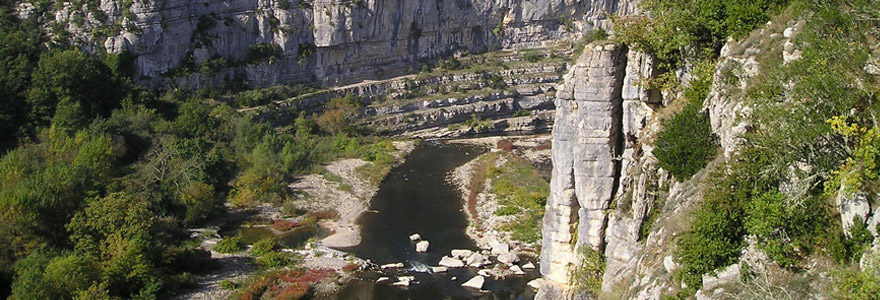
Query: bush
284 225
506 210
273 260
686 143
229 245
588 275
264 246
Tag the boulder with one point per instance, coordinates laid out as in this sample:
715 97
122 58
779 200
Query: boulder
475 283
508 258
382 279
528 266
484 272
450 262
438 269
461 253
422 246
536 284
415 237
476 260
517 270
392 266
499 248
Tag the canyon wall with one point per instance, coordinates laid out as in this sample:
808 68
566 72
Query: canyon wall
327 41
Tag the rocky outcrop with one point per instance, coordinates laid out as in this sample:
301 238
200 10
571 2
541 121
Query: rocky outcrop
329 41
587 141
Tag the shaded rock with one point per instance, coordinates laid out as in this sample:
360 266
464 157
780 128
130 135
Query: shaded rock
508 258
475 283
476 260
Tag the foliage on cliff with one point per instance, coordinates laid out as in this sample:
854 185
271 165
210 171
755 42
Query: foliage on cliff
812 127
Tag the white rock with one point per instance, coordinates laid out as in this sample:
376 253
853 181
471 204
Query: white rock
382 279
438 269
499 248
508 258
404 280
517 270
536 284
450 262
392 266
475 283
476 260
422 246
484 272
528 266
415 237
453 278
461 253
401 283
669 264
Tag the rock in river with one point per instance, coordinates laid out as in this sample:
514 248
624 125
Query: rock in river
475 283
450 262
422 246
415 237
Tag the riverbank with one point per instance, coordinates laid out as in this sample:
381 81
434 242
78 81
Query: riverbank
475 184
346 189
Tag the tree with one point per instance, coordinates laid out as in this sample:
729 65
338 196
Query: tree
76 77
338 114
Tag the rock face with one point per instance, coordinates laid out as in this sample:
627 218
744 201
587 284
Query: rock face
327 41
587 136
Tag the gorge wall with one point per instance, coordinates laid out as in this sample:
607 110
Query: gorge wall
325 41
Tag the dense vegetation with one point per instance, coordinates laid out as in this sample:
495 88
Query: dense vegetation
99 179
813 141
686 142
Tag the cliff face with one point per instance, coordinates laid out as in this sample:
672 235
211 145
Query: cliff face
332 42
598 160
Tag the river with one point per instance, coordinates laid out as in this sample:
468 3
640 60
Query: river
416 197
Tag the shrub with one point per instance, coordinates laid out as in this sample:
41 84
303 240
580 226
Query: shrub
505 145
588 275
284 225
227 284
506 211
273 260
264 246
229 245
323 214
686 143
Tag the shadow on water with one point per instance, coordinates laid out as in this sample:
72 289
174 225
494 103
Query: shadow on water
416 198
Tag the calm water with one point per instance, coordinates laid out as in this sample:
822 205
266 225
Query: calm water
416 198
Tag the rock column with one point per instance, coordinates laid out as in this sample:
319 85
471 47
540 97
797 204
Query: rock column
587 140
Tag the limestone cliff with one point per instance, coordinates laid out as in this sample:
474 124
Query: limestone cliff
327 41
